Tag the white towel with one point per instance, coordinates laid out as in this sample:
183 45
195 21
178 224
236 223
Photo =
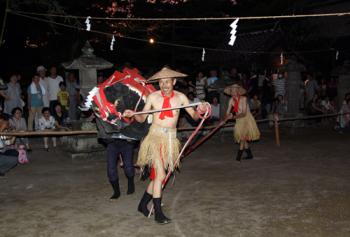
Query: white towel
34 90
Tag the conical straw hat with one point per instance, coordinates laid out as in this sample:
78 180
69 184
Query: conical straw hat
228 90
166 72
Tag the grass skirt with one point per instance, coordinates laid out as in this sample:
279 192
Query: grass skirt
160 145
246 129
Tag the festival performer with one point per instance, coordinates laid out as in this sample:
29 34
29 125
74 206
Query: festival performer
160 148
122 90
245 129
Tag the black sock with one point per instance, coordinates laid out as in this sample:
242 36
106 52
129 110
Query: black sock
239 155
146 198
158 213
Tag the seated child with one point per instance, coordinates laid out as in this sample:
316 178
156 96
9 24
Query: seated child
47 122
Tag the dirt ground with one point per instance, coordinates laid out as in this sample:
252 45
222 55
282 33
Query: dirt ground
299 189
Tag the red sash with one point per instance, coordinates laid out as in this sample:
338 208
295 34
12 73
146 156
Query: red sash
236 105
166 105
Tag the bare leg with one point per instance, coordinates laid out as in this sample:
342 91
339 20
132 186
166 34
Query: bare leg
157 182
241 145
150 188
157 195
246 145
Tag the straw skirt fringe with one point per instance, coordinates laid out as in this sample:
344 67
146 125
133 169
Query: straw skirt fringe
160 145
246 129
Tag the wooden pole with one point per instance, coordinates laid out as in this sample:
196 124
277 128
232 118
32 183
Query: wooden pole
47 133
191 148
173 108
277 130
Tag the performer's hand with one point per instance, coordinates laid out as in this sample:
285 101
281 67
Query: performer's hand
202 108
128 113
229 116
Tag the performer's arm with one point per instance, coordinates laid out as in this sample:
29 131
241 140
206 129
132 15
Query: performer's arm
140 117
190 110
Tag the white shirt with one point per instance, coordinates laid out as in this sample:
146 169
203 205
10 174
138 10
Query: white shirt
44 83
195 100
53 86
212 80
46 124
280 86
200 88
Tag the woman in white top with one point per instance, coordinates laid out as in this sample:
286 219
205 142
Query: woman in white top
18 123
12 95
47 122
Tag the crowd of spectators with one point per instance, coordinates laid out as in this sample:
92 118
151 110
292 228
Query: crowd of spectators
48 102
267 93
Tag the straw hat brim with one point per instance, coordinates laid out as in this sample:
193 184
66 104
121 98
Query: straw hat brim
166 72
228 89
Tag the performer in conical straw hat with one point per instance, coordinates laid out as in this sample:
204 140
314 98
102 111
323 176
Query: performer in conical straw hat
160 148
245 129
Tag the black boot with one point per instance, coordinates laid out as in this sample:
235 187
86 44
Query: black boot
146 198
116 189
131 185
158 213
239 155
249 154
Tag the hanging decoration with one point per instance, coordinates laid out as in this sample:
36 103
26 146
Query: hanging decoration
231 42
281 58
87 22
337 55
203 54
233 32
111 47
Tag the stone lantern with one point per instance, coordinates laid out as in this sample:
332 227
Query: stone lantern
87 64
294 80
343 84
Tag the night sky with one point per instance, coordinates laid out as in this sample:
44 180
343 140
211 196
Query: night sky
28 42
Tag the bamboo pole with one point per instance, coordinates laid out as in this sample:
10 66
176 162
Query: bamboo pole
277 130
191 148
47 133
173 108
90 132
